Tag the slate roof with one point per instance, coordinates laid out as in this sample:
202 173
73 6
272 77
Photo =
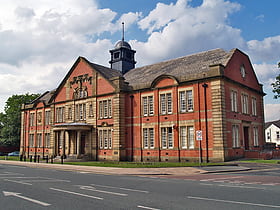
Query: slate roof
276 123
105 71
182 68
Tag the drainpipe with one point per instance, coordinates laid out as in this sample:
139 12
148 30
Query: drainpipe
158 124
199 120
131 131
206 121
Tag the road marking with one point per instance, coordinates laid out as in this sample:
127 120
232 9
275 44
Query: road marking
270 184
145 207
19 182
101 191
235 202
233 177
252 183
10 174
75 193
121 188
17 166
25 198
236 186
49 180
242 186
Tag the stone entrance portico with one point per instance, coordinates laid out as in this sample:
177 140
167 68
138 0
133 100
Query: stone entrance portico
72 139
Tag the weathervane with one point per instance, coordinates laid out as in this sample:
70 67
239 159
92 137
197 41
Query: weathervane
122 31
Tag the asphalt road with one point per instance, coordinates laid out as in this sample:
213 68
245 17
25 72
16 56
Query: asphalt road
23 187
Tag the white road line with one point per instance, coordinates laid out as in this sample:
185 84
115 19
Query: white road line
206 184
270 184
10 174
19 182
242 186
233 177
145 207
101 191
49 180
75 193
25 198
235 202
121 188
17 166
252 183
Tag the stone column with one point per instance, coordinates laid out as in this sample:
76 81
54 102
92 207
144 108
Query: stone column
62 136
67 143
78 143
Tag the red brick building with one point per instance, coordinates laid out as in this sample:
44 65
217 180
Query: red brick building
151 113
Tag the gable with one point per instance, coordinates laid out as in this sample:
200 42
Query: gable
164 81
84 80
240 69
79 78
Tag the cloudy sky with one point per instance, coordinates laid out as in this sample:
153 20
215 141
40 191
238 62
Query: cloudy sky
41 39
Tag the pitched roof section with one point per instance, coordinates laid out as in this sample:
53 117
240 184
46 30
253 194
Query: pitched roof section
276 123
106 72
183 68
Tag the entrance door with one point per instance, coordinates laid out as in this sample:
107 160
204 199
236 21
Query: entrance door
83 143
246 137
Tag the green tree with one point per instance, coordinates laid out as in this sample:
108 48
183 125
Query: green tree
276 85
10 120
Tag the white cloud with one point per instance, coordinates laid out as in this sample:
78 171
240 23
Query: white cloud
267 49
272 112
179 29
266 73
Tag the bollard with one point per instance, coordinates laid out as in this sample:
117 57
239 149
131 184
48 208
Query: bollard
35 158
24 158
61 159
38 158
47 159
20 157
51 159
30 158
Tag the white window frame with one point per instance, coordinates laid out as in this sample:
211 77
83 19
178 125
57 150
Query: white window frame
105 138
31 140
60 114
185 100
256 136
235 136
254 106
245 103
105 109
148 138
47 117
47 140
167 138
233 99
32 119
148 105
190 135
165 102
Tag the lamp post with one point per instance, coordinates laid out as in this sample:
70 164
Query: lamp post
206 121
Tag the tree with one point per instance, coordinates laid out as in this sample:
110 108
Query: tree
10 120
276 85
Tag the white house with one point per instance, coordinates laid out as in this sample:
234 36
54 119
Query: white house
272 132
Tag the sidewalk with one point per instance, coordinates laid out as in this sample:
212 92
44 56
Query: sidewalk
174 171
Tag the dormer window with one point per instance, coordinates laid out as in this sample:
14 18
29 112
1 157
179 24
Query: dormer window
242 71
116 55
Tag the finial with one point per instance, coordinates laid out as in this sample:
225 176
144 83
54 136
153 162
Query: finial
122 31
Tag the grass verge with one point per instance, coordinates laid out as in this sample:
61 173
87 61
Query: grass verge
141 164
9 158
273 161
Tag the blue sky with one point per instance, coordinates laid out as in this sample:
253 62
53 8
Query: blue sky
40 40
